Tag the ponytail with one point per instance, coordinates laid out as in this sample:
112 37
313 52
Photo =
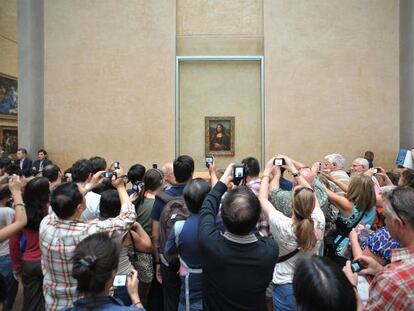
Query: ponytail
303 204
305 234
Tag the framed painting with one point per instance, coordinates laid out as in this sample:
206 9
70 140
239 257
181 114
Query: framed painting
9 140
219 133
8 96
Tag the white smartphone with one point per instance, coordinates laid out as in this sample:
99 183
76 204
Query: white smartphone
119 280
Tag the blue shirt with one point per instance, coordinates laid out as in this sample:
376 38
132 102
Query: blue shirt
174 190
285 184
189 250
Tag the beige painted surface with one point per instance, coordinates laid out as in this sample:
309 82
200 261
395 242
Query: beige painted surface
220 89
216 45
109 80
8 37
8 45
332 78
230 17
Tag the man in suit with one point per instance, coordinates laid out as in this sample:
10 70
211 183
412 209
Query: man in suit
24 162
41 162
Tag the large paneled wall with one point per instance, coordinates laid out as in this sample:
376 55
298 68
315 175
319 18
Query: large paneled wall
331 74
109 80
332 78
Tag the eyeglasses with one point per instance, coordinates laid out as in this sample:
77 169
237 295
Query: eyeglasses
299 190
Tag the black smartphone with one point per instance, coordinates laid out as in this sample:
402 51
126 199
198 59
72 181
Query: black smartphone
356 266
155 165
278 162
209 160
238 173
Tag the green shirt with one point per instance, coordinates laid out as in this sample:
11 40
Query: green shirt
143 215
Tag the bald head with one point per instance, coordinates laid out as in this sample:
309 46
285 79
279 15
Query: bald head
168 170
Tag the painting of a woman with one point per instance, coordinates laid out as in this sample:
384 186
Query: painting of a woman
220 135
220 140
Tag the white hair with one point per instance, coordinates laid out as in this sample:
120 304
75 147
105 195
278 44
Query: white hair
363 162
336 158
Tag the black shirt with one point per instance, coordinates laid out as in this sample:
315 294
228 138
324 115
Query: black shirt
236 270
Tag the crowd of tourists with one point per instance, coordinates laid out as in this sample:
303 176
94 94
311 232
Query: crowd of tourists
289 236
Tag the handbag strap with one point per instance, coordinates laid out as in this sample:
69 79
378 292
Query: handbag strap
353 226
287 256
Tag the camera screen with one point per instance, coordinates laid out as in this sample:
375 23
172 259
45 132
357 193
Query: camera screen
209 160
238 172
108 174
355 266
278 162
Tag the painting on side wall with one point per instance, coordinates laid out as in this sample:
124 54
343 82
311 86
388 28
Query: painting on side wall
8 96
219 136
9 140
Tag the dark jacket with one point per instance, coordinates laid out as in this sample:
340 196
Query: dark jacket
102 303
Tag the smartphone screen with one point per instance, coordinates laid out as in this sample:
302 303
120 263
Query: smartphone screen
119 280
238 172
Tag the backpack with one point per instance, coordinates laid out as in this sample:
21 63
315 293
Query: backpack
173 211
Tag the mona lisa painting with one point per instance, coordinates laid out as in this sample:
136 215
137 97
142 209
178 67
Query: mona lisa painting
219 132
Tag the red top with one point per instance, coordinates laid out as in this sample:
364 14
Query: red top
32 251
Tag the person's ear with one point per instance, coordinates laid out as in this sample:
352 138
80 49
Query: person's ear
399 225
334 165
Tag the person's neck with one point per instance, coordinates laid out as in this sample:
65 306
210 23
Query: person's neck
407 240
250 178
149 195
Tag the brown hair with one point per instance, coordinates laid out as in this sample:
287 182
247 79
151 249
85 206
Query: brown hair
303 203
361 192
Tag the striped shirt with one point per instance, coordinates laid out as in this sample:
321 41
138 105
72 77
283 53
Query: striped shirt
58 240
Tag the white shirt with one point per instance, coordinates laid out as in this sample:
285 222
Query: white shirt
6 218
282 229
92 206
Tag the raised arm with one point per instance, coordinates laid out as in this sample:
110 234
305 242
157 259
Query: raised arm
342 203
212 172
341 185
15 186
294 167
264 188
207 230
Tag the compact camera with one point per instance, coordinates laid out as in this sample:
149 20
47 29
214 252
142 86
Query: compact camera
109 174
238 173
278 162
356 266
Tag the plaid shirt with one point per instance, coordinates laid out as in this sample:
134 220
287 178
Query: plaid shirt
58 239
393 289
263 224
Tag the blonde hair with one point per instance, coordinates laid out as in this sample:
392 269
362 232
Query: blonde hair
361 192
303 203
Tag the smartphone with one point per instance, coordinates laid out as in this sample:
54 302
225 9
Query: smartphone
155 165
278 162
375 170
356 266
119 280
209 160
108 175
238 172
116 165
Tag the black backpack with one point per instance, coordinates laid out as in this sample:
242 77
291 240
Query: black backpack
173 211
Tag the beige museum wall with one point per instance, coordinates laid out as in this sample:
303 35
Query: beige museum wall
220 89
8 37
332 78
109 80
8 46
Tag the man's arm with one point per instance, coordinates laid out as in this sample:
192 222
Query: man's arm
127 215
209 209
